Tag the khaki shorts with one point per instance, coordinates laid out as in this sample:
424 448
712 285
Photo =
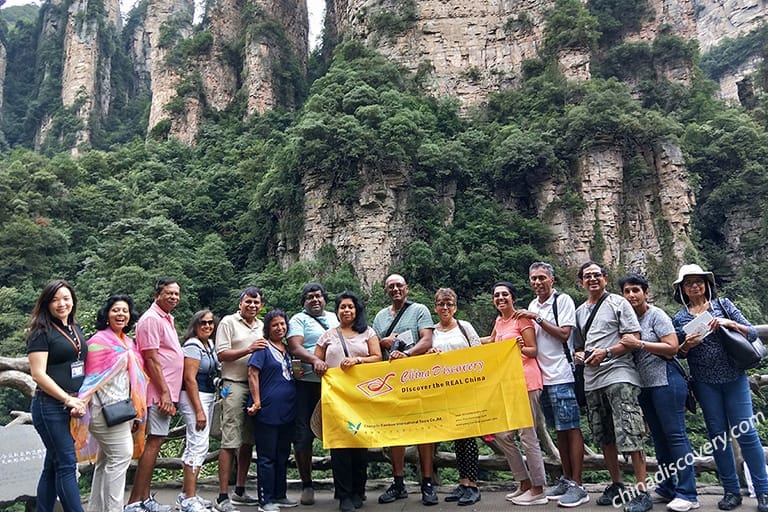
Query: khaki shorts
236 425
158 424
615 416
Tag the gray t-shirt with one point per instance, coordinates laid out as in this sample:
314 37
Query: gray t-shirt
653 369
614 318
414 319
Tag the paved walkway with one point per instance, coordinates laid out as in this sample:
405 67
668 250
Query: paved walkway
492 499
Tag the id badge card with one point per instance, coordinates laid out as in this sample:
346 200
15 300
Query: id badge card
77 369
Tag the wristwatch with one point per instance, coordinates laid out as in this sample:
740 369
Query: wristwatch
608 354
539 320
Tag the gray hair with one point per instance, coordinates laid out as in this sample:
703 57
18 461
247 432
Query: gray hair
536 265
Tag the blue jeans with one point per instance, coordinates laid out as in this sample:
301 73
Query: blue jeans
273 447
727 409
664 411
51 420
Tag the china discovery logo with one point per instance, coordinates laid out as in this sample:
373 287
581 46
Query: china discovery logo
377 386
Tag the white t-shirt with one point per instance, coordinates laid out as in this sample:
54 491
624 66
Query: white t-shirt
555 368
454 339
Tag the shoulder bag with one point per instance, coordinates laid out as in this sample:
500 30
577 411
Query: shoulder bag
463 332
690 400
117 412
581 394
742 354
396 345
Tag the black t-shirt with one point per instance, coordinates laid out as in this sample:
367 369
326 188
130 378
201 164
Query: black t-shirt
62 352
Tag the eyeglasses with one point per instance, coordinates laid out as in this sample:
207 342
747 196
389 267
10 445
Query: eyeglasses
593 275
207 322
445 304
392 286
692 282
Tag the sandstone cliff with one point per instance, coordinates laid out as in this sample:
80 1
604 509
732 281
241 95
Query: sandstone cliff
627 219
220 77
273 36
86 68
269 53
167 22
369 234
471 48
3 65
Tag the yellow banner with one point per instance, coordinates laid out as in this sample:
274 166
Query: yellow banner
423 399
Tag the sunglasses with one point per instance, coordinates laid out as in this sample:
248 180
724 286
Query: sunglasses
207 322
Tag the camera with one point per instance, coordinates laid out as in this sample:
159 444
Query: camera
214 378
401 345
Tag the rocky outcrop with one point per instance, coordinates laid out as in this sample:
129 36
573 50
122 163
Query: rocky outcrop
220 77
673 16
574 63
743 234
269 52
167 21
274 35
471 48
368 233
3 65
716 19
52 31
82 78
627 218
729 82
138 47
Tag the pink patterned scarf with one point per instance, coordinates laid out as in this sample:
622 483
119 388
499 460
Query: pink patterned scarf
107 356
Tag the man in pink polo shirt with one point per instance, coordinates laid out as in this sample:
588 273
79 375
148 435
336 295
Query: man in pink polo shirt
158 342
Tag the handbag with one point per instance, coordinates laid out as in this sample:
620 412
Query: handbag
118 412
690 399
742 354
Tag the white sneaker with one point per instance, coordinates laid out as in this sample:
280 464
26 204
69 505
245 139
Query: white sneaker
269 507
224 506
515 494
681 505
181 497
193 505
528 498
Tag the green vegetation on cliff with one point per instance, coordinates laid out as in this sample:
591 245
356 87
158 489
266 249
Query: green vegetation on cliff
223 213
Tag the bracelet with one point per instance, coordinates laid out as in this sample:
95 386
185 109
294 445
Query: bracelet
359 361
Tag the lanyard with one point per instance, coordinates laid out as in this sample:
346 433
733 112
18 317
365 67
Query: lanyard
77 346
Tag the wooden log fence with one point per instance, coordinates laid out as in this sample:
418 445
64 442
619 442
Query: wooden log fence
14 373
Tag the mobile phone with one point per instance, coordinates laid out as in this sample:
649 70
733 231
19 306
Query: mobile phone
587 355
